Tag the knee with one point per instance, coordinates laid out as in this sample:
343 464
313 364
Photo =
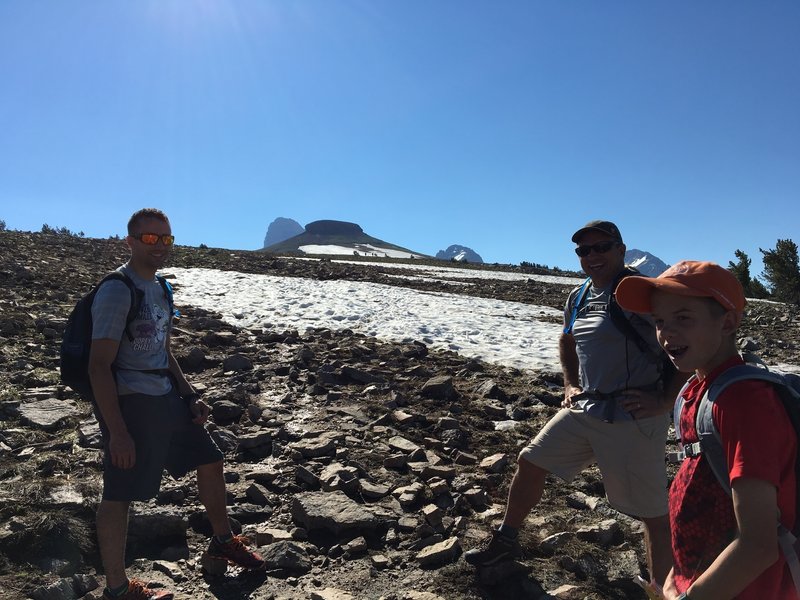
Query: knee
210 467
657 525
529 471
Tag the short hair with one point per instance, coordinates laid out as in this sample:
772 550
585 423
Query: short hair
145 213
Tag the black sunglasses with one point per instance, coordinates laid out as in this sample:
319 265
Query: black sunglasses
151 239
599 248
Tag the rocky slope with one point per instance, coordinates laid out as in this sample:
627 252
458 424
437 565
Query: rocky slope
360 468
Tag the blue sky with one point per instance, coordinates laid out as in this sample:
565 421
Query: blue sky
499 125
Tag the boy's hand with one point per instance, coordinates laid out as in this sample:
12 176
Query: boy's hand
643 404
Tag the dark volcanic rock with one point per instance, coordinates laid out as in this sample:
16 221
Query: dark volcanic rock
333 228
352 477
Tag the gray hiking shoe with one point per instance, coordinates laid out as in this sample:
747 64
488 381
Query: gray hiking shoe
499 547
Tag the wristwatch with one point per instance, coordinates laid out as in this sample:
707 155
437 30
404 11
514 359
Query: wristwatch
191 397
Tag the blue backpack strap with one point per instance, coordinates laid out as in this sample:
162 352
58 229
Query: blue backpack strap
576 305
168 294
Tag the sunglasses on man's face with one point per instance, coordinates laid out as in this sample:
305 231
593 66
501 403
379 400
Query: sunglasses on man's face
599 248
151 239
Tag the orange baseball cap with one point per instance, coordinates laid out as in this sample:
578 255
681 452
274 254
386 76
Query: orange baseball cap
686 278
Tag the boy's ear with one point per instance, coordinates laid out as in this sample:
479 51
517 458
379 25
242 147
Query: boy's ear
730 322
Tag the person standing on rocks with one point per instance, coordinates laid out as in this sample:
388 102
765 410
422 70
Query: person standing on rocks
618 392
150 417
725 543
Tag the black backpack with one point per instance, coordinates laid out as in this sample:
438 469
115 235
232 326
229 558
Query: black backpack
77 340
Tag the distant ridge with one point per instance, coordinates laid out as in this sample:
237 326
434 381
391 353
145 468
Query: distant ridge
339 238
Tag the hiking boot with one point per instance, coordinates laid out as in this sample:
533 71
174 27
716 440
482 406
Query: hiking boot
138 590
236 553
499 547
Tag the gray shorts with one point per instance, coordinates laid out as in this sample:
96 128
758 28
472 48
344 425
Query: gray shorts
630 455
165 438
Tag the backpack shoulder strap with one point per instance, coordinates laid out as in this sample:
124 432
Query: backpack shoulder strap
168 293
577 296
678 408
136 296
788 387
623 323
707 431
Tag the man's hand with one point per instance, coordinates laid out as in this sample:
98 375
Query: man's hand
200 410
569 392
123 450
642 404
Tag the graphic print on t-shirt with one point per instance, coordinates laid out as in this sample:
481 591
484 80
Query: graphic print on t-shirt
150 329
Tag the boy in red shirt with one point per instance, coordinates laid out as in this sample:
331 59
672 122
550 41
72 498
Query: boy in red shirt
723 547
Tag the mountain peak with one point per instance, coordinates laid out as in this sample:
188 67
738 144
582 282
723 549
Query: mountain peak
646 263
281 229
459 254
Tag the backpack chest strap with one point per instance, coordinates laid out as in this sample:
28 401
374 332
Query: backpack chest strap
688 451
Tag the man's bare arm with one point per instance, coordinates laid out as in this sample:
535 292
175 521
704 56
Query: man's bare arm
570 367
121 446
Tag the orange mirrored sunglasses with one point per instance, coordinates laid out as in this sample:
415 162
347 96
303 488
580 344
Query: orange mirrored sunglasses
151 239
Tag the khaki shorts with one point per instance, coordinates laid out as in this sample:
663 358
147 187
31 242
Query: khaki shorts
629 454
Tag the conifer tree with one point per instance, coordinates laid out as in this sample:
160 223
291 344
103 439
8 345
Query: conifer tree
782 271
753 288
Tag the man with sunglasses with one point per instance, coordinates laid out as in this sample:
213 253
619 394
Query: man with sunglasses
150 417
615 410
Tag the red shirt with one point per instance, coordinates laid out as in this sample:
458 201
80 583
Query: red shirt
759 443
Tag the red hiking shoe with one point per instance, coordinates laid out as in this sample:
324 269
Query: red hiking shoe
138 590
236 553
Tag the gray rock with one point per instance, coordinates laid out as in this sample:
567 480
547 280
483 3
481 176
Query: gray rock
315 447
289 556
439 388
490 389
439 554
237 362
258 494
225 411
332 511
89 435
60 590
602 533
402 444
48 414
330 594
362 376
495 463
373 491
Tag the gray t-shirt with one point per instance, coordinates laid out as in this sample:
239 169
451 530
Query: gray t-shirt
147 350
609 362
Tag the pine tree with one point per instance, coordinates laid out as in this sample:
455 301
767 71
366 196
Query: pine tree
782 271
753 288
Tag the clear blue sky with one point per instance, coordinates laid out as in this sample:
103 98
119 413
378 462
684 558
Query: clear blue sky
502 125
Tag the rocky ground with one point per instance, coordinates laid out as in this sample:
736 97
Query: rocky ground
361 468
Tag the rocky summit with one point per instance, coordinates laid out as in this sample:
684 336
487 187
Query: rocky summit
359 468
